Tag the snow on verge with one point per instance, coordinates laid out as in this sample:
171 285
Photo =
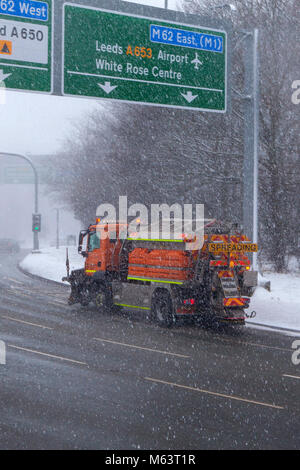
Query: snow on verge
51 263
281 306
278 308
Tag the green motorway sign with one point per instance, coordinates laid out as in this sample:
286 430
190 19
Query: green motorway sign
26 45
17 174
145 60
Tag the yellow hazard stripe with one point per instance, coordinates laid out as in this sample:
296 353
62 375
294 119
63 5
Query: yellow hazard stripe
235 301
90 271
132 306
152 280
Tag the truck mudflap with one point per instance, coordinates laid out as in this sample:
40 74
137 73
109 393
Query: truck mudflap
234 310
235 315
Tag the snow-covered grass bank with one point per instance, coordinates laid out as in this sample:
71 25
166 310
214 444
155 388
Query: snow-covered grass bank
51 263
279 308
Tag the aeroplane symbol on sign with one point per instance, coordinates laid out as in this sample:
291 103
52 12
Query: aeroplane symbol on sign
197 62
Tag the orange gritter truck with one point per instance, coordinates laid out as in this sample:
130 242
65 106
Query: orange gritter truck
162 278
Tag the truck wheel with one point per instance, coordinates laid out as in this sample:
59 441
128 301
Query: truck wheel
84 296
103 299
162 311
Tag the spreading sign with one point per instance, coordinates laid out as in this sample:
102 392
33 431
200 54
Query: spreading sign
25 45
233 247
114 55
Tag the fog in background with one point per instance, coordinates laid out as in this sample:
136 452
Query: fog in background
34 125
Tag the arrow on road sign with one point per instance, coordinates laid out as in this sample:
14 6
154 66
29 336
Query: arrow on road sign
189 96
3 75
107 87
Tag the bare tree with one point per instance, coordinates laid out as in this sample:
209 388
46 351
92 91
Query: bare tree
156 155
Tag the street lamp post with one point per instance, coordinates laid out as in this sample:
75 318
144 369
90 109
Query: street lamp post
36 196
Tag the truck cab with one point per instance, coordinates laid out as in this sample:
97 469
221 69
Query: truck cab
102 247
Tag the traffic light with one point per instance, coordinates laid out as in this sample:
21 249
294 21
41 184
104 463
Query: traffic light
36 222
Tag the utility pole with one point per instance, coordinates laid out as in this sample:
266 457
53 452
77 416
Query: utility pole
36 194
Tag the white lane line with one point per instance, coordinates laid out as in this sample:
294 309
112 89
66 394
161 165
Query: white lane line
46 354
14 280
291 376
21 294
55 304
208 392
257 344
21 291
140 347
27 322
58 301
270 347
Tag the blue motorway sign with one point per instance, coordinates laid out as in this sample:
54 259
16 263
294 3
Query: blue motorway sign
29 9
186 38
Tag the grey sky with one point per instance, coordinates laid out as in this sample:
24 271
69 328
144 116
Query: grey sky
31 123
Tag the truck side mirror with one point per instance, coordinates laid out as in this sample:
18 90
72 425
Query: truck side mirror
80 241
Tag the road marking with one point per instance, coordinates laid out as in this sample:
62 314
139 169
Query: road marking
58 301
14 280
21 290
208 392
140 347
291 376
269 347
18 293
46 354
56 305
26 322
257 344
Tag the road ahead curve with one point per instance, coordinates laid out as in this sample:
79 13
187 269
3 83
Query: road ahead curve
79 379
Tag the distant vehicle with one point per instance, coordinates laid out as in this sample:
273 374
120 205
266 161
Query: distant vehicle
9 245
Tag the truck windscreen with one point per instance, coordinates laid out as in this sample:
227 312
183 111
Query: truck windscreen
94 241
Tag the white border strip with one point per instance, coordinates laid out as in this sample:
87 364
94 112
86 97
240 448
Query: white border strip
24 67
142 81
